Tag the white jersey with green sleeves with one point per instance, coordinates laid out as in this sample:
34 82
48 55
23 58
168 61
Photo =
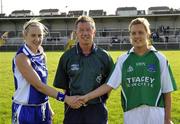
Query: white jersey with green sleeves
144 79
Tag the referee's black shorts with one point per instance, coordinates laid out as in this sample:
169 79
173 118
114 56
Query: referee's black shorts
90 114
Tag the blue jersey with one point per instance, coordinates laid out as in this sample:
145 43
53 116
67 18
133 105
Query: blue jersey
25 93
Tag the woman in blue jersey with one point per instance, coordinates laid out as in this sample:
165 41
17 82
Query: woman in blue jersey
30 100
145 77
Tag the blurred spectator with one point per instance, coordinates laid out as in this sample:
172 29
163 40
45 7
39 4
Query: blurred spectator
71 42
155 36
161 28
166 39
167 29
115 39
5 35
3 38
177 36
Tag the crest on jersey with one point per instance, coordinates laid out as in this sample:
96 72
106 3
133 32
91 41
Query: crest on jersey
130 69
99 78
151 67
75 67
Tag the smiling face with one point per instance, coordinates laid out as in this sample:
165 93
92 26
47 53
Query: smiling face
33 37
139 36
85 33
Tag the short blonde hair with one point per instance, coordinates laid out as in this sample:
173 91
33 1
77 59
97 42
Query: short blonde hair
34 22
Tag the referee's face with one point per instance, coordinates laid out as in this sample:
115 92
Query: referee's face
85 33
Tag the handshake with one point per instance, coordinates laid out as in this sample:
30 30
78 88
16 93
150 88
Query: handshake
76 102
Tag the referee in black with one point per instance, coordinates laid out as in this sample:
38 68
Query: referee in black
82 69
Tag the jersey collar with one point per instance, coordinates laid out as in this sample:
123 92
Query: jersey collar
31 53
79 50
151 48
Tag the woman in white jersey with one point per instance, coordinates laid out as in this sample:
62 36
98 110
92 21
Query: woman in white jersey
30 100
145 77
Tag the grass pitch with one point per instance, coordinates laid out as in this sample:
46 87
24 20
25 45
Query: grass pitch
115 114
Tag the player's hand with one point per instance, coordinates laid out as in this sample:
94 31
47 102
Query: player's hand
84 98
73 101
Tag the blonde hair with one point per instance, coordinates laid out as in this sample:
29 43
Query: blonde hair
142 21
34 22
146 25
85 19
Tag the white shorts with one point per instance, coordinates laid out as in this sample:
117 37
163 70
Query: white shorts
144 115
